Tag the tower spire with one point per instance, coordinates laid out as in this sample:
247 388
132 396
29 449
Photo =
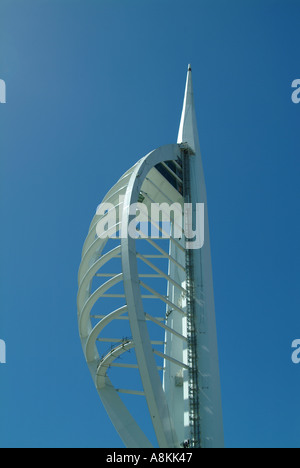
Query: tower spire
188 132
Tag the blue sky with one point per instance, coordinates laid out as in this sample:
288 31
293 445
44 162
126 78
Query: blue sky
92 86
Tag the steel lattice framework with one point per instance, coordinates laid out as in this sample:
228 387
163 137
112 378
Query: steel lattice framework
161 293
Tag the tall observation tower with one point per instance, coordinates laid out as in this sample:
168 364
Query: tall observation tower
146 309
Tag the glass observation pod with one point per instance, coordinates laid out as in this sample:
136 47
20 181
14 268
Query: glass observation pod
145 301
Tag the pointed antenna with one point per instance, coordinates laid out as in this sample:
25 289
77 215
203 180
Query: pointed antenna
188 132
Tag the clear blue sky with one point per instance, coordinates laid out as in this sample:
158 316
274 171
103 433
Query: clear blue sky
92 86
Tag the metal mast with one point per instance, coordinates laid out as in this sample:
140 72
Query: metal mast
193 381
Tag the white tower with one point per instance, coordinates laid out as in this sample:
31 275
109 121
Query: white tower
125 271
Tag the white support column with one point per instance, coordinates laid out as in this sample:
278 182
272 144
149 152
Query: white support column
210 409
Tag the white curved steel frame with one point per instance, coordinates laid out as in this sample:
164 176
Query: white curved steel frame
181 387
